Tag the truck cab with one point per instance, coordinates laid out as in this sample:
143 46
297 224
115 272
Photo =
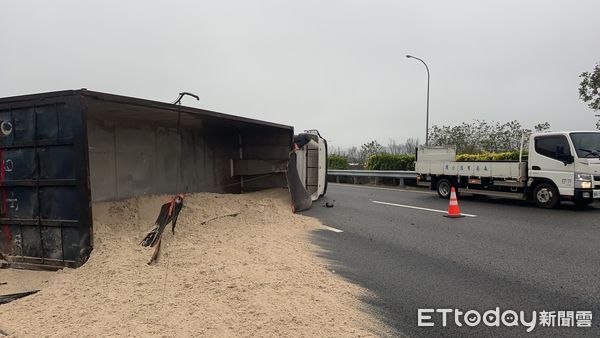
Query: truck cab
564 166
307 169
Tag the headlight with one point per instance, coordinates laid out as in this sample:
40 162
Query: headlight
583 181
583 177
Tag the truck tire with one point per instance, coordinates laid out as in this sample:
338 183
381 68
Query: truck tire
546 195
443 188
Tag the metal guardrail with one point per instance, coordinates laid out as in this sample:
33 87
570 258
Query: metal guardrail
373 173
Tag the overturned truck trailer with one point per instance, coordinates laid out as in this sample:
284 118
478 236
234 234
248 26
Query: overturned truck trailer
61 151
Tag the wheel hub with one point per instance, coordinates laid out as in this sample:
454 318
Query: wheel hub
444 189
544 195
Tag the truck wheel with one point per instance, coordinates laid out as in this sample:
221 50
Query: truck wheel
546 196
443 188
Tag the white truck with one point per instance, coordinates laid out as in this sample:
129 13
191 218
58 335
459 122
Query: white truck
312 162
307 169
561 166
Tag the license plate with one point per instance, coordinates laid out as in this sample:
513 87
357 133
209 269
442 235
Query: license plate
596 193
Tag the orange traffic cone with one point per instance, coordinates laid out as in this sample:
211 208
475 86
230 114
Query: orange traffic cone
453 209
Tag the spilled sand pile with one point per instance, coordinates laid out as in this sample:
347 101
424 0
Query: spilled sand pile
255 274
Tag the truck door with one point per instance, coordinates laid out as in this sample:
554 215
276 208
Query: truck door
551 158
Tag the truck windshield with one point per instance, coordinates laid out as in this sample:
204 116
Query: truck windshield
586 144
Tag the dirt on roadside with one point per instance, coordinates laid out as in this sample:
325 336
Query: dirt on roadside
255 274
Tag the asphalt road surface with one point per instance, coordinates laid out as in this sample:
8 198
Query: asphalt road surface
509 255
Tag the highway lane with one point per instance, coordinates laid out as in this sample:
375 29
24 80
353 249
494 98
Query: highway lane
511 255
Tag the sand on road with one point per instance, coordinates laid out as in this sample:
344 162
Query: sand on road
256 274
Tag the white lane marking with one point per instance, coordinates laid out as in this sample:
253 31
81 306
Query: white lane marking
418 208
332 229
378 188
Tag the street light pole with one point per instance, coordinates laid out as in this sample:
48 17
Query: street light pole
427 118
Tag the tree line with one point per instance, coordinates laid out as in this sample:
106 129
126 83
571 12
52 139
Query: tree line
481 136
360 155
475 137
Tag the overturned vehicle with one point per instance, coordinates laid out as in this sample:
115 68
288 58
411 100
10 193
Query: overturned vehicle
62 151
307 169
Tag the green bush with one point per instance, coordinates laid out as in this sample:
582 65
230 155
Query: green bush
390 162
487 156
337 162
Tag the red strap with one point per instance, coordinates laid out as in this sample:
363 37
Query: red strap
172 202
2 172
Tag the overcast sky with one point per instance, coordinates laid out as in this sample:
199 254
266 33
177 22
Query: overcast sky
338 66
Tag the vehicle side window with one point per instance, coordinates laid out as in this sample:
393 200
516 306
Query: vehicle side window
555 147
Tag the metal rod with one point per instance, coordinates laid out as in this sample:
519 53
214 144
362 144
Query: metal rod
427 116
